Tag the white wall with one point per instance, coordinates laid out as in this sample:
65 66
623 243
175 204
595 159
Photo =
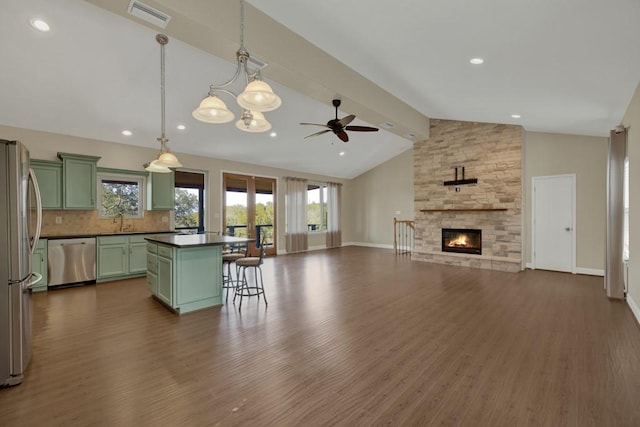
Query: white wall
374 198
586 157
632 121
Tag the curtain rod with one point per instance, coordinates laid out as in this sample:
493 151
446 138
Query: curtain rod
294 178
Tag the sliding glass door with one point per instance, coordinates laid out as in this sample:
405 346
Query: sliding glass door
250 208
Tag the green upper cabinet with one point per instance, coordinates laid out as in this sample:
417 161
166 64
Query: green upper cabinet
79 181
160 191
49 176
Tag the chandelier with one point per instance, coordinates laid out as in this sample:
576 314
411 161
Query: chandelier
257 97
166 159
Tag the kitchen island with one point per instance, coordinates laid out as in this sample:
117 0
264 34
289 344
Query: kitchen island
184 272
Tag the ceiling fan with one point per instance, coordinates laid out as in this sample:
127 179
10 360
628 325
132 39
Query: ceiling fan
340 126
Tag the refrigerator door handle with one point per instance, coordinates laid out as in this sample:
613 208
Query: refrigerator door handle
35 278
36 188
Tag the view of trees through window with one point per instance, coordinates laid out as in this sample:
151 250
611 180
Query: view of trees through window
236 214
317 207
187 207
120 198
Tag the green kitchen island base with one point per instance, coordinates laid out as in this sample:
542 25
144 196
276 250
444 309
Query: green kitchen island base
184 272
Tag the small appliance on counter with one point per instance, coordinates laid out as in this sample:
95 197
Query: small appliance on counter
20 221
71 261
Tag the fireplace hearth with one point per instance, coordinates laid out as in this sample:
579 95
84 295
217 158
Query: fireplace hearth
462 240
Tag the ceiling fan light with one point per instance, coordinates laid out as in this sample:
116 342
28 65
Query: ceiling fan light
213 110
256 124
157 167
169 160
258 96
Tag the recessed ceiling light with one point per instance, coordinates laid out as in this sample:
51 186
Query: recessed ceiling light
342 153
181 127
40 25
127 133
476 61
410 135
516 116
388 125
273 134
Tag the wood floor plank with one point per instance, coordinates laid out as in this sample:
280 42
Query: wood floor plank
351 336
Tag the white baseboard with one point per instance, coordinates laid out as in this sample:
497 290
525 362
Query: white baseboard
634 307
579 270
368 245
590 271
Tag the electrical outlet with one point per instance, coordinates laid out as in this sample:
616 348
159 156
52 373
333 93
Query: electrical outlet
397 212
58 220
165 219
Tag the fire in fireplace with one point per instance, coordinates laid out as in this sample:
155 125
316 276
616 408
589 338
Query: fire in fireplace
460 240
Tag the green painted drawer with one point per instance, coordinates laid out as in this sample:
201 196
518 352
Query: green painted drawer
152 262
152 247
113 240
165 251
152 283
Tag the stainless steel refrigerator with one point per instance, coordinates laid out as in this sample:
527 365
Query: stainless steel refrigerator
20 219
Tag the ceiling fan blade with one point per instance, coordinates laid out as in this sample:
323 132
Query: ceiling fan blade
343 136
346 120
315 124
361 128
318 133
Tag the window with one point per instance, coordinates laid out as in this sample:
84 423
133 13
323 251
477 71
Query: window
120 195
189 202
625 238
317 206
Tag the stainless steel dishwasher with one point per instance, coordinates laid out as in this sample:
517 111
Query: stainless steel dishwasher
71 261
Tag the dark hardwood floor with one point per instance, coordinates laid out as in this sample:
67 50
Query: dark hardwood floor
351 336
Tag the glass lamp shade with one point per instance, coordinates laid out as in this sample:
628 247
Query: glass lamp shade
169 160
257 124
157 167
213 110
258 96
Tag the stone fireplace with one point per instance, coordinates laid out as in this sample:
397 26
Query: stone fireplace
490 153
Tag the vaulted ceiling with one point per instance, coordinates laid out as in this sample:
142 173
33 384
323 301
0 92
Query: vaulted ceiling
566 67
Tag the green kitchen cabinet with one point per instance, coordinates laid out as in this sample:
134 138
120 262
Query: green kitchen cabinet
184 278
113 257
161 191
165 281
137 254
49 176
78 181
39 265
121 257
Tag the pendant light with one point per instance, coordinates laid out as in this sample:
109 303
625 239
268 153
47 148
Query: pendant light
166 159
258 97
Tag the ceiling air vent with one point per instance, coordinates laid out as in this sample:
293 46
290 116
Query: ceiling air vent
148 14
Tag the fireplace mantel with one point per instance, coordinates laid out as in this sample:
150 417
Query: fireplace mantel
466 210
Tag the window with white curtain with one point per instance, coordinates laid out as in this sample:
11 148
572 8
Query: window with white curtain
317 206
625 204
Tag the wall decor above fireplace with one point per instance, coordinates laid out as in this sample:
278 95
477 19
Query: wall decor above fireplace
462 181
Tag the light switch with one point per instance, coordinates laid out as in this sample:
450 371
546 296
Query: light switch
397 212
58 220
165 219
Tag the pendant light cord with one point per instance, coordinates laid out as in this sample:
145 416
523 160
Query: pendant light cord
163 40
241 24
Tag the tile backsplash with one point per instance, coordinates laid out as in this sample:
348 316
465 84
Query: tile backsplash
87 222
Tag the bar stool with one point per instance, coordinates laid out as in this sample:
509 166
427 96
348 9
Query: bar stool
229 257
243 289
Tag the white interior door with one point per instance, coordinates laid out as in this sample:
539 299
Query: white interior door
553 220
